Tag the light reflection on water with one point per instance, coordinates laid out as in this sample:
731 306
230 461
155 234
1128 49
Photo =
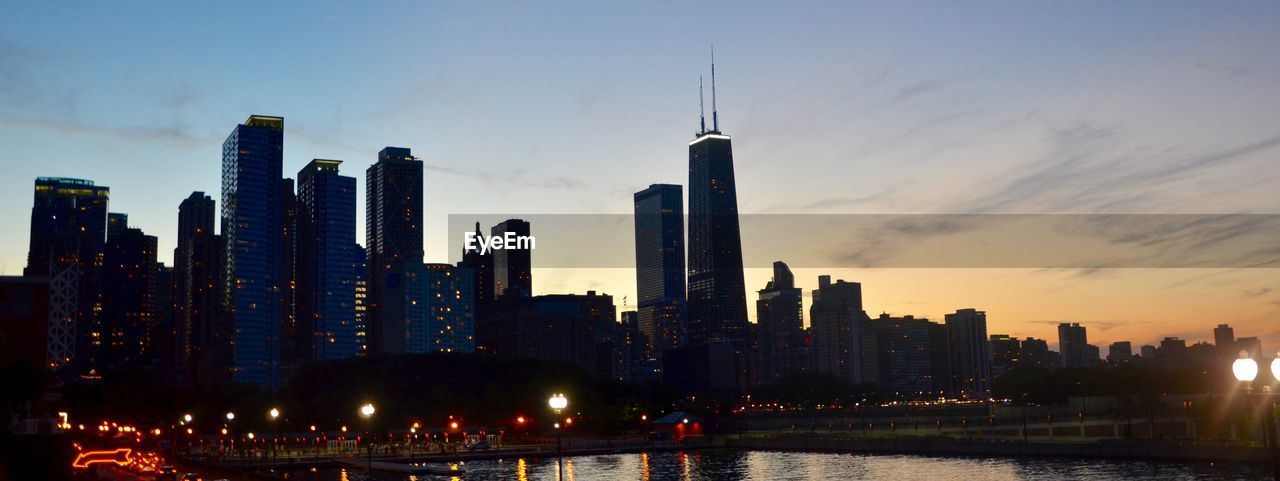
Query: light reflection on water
765 465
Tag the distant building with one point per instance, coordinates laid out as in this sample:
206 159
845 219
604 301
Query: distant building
660 267
1148 353
393 246
1120 352
904 356
969 352
1072 343
197 292
129 300
325 247
559 327
1224 337
252 223
294 337
1006 354
512 268
116 223
1036 354
780 321
1251 345
362 297
843 343
450 308
1172 353
481 266
67 242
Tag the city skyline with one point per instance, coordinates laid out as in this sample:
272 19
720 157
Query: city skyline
1220 171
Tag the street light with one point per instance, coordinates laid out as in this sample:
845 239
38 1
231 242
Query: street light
1246 371
274 414
366 412
558 402
231 416
187 418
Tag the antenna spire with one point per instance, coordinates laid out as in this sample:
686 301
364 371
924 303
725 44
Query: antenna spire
715 118
702 113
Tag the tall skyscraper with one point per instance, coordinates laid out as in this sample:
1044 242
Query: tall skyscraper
780 320
252 169
969 353
449 313
1072 342
660 268
195 284
129 300
843 342
325 247
393 244
512 268
67 244
717 305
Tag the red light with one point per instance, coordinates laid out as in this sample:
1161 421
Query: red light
568 421
520 419
120 457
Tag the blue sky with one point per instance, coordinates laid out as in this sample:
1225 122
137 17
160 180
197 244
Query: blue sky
523 107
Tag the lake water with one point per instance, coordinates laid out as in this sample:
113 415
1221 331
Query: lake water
772 466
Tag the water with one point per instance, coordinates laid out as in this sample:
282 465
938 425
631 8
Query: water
772 466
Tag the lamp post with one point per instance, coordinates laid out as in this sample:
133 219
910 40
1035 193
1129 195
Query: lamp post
1245 370
274 414
366 412
558 402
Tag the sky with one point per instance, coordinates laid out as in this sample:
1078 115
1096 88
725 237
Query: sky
522 108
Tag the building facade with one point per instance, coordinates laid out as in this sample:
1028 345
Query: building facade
843 343
393 244
325 247
660 268
449 314
969 353
252 170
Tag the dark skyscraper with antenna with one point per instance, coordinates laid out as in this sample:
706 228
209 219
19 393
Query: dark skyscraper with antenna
717 306
717 303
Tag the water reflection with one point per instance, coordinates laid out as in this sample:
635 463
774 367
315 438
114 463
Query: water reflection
762 466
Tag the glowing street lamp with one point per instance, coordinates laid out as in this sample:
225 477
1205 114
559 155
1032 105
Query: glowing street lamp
558 402
231 416
1245 369
366 412
187 418
274 414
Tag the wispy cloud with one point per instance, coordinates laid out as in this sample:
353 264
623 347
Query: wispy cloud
1091 167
